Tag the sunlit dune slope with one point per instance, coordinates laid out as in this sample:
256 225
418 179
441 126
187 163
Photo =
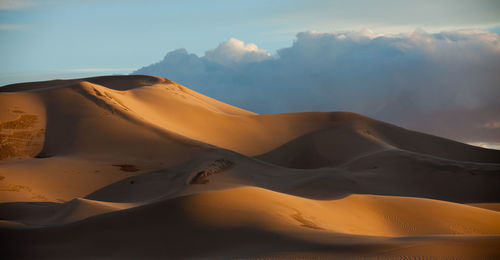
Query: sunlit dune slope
251 221
138 167
80 107
110 128
89 133
354 214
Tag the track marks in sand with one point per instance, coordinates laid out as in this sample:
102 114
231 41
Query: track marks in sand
21 189
304 221
20 137
400 223
127 167
21 122
17 111
214 167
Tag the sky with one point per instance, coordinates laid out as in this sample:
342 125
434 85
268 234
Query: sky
431 66
47 38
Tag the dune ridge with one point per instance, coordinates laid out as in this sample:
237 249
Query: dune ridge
142 167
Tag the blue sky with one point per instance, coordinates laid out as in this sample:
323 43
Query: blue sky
42 39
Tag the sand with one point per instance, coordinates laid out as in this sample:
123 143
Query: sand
128 167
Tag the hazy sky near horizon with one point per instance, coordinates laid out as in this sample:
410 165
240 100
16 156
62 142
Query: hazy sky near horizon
42 39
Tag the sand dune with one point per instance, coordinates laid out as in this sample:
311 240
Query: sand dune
142 167
51 213
393 173
230 223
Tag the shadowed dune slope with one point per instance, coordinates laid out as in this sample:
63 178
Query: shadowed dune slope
77 106
230 223
394 173
140 167
358 136
149 123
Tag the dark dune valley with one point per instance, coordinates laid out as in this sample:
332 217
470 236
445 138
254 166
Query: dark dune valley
141 167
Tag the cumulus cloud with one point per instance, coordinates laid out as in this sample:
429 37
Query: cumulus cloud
234 51
445 83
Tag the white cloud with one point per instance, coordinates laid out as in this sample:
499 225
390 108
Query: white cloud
443 83
234 51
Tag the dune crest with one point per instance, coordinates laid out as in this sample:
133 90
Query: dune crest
142 167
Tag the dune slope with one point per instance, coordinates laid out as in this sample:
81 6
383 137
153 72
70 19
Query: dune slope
127 167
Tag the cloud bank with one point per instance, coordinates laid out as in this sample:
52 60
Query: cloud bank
445 83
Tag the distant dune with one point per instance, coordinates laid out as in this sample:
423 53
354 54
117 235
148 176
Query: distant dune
139 167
